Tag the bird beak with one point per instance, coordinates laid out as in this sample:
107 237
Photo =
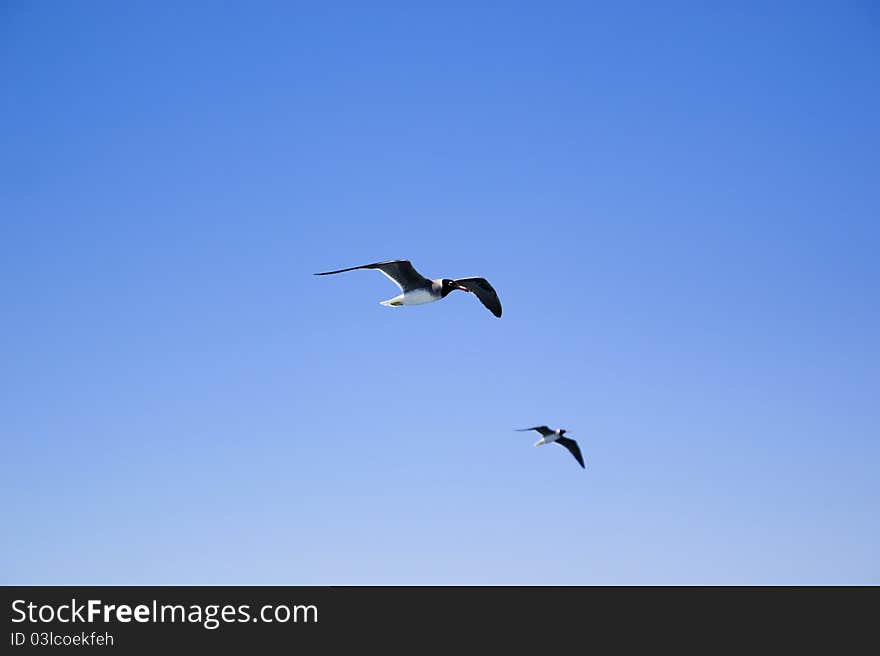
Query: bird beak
464 289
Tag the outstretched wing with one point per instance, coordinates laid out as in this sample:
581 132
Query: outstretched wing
543 430
401 272
572 446
481 288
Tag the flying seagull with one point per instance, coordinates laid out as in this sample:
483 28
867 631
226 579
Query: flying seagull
549 435
416 289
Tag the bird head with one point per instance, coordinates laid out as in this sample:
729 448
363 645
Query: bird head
447 285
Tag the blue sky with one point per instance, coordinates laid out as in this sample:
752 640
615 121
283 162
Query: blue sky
678 206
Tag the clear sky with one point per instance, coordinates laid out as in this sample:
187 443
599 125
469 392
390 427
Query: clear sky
678 206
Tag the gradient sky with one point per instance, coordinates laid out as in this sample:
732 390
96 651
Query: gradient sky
678 206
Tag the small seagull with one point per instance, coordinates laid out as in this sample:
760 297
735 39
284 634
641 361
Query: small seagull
417 290
549 435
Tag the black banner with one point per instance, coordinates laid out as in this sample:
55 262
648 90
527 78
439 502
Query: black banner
150 619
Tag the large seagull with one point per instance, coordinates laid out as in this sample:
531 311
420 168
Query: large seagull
417 290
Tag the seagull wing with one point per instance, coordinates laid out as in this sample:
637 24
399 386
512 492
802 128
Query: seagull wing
481 288
401 272
543 430
572 446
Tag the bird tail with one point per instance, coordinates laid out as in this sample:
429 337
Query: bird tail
539 442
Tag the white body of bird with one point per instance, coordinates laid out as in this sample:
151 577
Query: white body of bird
414 297
547 439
